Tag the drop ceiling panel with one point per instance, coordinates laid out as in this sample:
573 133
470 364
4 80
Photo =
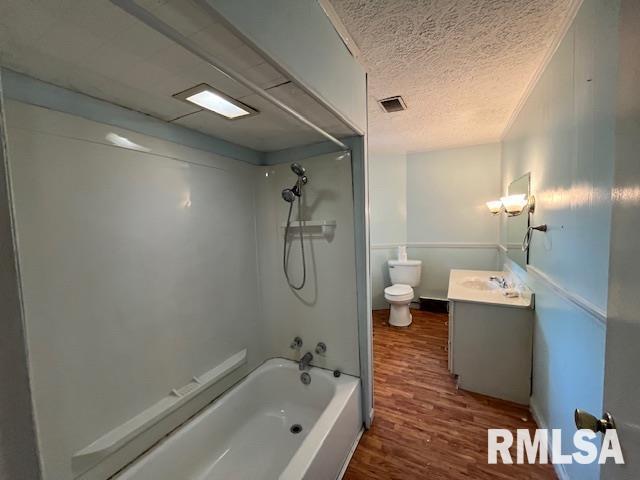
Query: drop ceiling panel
270 130
93 47
296 98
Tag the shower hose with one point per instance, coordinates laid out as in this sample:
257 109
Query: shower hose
284 253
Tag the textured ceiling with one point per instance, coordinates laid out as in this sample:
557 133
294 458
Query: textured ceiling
461 66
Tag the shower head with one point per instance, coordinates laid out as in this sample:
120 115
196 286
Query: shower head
297 169
288 195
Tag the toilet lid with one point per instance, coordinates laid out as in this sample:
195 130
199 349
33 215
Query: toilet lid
398 289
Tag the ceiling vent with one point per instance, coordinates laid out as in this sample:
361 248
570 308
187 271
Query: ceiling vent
392 104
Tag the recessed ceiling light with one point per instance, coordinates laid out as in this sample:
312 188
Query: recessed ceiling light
209 98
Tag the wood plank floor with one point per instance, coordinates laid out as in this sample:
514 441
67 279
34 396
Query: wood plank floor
424 427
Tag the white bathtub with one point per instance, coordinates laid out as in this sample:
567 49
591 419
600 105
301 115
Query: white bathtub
245 435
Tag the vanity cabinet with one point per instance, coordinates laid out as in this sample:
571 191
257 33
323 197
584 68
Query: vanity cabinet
490 339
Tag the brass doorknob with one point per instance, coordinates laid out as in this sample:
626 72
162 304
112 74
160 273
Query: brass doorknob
586 421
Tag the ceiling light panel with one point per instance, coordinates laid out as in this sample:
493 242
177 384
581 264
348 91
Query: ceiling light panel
207 97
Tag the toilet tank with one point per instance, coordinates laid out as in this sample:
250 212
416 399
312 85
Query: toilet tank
406 272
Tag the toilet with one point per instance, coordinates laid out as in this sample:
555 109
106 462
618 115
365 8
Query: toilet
404 274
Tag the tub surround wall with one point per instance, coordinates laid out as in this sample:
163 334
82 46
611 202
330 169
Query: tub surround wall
436 206
564 136
18 443
172 234
26 89
324 314
133 265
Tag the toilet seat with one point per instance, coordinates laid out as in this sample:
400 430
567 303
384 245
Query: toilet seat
398 289
398 293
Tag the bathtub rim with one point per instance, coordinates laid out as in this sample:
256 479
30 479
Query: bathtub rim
303 458
344 380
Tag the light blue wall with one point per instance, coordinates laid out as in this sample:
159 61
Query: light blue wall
449 226
434 202
388 206
564 136
388 203
447 191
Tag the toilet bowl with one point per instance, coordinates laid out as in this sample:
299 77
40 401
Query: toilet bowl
399 297
404 275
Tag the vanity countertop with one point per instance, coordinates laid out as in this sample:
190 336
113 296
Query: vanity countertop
474 286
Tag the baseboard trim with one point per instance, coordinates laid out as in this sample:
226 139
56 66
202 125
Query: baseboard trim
561 473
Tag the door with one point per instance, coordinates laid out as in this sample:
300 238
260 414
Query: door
622 360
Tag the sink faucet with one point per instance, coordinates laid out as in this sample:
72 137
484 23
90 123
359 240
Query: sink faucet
304 362
501 281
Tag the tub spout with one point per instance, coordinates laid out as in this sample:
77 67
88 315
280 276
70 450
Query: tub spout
304 362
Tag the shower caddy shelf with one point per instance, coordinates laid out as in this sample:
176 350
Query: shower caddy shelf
326 227
119 436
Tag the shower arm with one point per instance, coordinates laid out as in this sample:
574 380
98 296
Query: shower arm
168 31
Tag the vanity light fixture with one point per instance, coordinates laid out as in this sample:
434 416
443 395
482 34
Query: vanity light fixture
209 98
515 204
494 206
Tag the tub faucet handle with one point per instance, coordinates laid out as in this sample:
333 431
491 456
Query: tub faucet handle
296 344
321 348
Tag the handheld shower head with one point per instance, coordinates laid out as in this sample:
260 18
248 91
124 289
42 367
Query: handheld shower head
288 195
297 169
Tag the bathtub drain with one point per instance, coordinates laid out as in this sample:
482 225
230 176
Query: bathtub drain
296 428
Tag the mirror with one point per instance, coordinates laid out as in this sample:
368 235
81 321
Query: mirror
517 226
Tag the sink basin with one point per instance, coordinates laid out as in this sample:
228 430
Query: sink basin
481 284
476 286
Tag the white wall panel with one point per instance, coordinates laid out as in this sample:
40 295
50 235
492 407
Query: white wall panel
325 310
136 267
18 443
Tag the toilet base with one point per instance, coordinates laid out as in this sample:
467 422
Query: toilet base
399 315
